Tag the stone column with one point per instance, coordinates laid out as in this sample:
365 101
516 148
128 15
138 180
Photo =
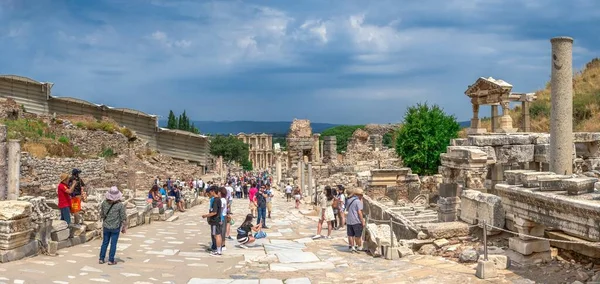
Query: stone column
14 166
301 168
278 168
505 119
475 122
494 118
561 119
526 124
3 164
309 181
321 150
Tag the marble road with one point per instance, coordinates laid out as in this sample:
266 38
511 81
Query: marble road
174 252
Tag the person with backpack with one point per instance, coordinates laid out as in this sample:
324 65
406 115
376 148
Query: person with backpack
214 217
261 204
244 232
355 221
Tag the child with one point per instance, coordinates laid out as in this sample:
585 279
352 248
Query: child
245 232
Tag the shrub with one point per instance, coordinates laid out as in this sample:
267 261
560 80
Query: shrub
126 131
107 153
63 139
539 108
247 165
32 129
80 124
424 135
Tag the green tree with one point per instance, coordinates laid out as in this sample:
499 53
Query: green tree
194 129
247 165
172 121
230 148
342 133
424 135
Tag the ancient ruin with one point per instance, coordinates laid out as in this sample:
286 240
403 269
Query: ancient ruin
261 149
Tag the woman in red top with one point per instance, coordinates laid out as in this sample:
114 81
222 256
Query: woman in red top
64 197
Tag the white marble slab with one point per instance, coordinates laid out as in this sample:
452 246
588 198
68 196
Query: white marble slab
286 230
169 252
209 281
270 281
291 267
290 246
298 281
192 254
296 257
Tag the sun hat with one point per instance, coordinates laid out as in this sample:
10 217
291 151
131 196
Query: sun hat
63 177
358 191
113 194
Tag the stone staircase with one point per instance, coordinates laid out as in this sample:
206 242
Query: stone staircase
418 215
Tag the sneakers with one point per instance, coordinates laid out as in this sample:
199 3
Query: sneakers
223 248
353 250
327 237
230 238
316 237
214 253
243 246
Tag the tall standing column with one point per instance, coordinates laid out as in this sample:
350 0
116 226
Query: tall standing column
494 118
278 168
310 184
526 124
561 119
3 164
321 150
301 167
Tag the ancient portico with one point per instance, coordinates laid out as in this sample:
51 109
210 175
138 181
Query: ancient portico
495 92
261 149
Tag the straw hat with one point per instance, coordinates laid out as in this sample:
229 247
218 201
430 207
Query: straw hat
358 191
64 177
113 194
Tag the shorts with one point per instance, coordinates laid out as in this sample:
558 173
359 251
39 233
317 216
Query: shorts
354 230
252 206
269 206
297 196
288 195
243 240
215 230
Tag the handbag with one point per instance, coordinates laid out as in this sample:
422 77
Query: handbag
260 235
75 204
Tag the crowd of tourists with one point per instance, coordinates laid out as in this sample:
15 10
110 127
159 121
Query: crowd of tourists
337 208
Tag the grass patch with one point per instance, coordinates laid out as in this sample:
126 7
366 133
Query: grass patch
63 139
107 153
25 128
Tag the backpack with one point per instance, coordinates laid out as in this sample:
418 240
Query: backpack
336 203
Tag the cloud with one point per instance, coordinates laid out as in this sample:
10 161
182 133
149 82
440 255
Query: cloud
277 60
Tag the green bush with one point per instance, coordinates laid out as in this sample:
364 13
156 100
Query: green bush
32 129
424 135
539 108
342 133
247 165
63 139
107 152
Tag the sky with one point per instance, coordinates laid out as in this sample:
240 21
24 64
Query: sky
336 61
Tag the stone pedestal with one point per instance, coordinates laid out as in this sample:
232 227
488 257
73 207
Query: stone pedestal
486 269
309 180
528 251
448 202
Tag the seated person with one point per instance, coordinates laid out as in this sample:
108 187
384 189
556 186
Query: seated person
163 193
176 194
244 232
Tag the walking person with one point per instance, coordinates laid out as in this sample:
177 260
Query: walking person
297 197
341 206
64 197
269 194
261 204
325 213
355 220
114 221
288 192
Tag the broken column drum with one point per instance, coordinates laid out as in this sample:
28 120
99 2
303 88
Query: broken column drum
561 120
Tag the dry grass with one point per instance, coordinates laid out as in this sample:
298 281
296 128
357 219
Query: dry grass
37 150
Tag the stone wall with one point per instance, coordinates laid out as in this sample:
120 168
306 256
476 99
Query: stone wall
41 175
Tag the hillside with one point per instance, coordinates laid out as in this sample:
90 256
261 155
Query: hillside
235 127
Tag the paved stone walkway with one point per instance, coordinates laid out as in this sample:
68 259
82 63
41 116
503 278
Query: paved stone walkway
174 252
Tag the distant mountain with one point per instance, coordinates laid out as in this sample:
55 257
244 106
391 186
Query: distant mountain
464 124
235 127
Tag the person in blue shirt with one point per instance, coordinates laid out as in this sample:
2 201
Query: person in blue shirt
163 192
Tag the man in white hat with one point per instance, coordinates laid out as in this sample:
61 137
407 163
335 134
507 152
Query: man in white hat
355 222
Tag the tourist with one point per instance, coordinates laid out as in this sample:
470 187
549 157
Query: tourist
201 185
269 194
163 193
214 220
355 220
251 197
176 194
78 192
64 197
244 232
224 211
114 220
245 189
288 192
341 206
229 189
209 190
238 190
261 204
297 196
325 212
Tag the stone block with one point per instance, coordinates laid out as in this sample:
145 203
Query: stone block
477 207
168 214
59 225
528 247
15 240
512 177
405 251
76 230
90 235
52 247
92 225
26 250
576 186
440 243
13 210
551 182
590 251
528 260
541 153
446 230
14 226
514 154
61 235
530 179
486 269
448 190
500 261
173 218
